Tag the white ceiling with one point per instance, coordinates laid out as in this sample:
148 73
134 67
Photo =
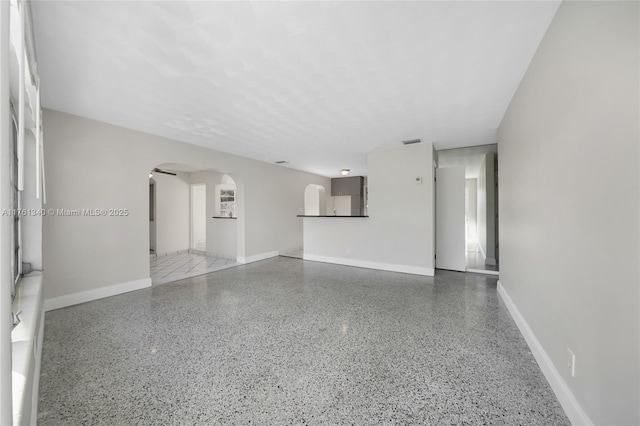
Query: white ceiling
319 84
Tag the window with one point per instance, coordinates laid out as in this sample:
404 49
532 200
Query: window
227 202
16 255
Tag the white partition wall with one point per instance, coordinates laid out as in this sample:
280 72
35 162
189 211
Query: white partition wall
398 234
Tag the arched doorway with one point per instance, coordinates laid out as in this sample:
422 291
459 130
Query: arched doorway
315 200
193 222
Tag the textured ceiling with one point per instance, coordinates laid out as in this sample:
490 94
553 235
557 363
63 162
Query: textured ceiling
319 84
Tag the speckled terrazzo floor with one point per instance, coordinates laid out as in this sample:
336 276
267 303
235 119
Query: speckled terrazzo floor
286 341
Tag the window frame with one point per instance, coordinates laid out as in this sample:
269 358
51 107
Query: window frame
228 202
14 208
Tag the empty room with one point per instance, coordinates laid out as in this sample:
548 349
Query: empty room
319 212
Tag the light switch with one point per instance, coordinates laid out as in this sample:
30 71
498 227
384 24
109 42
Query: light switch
418 180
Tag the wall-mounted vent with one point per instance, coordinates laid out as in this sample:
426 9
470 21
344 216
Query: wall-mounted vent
281 162
411 141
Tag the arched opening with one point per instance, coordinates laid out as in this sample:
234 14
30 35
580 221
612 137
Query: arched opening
193 222
315 200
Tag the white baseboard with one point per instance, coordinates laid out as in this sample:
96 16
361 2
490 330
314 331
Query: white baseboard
407 269
290 250
483 271
257 257
572 408
97 293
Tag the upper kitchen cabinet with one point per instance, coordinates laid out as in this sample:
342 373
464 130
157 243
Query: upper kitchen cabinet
347 186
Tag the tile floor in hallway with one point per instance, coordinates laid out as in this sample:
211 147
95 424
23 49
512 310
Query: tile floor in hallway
166 269
287 341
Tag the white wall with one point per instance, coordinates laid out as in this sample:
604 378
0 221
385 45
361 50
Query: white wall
172 213
311 201
31 225
490 249
486 209
569 205
5 221
198 214
342 205
315 200
471 208
398 235
482 208
331 203
96 165
223 234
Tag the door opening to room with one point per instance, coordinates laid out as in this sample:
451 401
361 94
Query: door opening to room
195 222
476 199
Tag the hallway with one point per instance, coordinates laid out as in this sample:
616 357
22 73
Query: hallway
475 263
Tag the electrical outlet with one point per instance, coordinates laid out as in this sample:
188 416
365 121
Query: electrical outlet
571 362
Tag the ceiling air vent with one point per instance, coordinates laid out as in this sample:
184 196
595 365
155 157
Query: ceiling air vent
411 141
281 162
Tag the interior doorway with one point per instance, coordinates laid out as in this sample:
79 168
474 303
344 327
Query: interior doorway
480 192
196 224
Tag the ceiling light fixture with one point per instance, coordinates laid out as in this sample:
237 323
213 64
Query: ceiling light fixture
344 172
